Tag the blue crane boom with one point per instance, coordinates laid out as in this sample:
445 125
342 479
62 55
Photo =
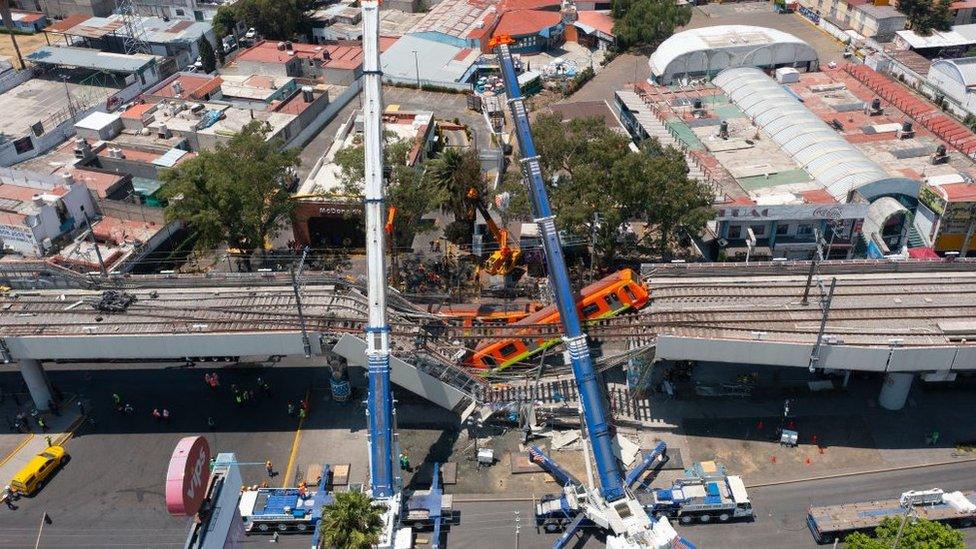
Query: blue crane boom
594 414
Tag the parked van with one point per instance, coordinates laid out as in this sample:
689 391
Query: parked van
38 470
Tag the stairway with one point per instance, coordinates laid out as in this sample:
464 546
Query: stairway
915 240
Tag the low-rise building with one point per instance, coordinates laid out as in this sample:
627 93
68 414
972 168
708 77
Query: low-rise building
28 21
188 10
593 29
36 210
177 39
946 217
336 63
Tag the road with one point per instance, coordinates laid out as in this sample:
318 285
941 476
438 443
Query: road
780 521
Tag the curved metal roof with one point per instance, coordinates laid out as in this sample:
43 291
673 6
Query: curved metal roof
829 158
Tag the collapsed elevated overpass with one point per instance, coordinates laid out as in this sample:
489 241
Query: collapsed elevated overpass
883 317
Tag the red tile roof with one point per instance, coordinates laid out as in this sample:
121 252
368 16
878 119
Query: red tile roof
512 5
136 112
818 196
963 4
960 192
29 16
115 230
340 56
387 41
100 182
70 22
599 20
194 86
525 22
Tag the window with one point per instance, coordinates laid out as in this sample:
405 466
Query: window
782 230
180 13
804 230
508 350
735 231
630 294
758 230
489 361
590 310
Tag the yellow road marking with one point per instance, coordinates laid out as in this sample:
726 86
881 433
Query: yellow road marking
294 448
67 435
16 449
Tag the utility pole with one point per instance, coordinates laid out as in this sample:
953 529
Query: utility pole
296 280
91 235
813 267
416 64
815 354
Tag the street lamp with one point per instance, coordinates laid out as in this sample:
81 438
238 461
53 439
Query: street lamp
416 64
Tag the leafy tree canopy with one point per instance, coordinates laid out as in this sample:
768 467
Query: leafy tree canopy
236 193
646 23
273 19
920 534
924 16
351 521
598 184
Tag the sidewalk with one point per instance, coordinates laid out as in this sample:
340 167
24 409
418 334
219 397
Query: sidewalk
60 429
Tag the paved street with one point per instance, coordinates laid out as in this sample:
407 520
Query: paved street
780 522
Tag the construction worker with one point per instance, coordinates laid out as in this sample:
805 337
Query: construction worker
291 410
269 467
48 440
210 422
118 401
165 415
42 424
238 399
156 415
404 462
302 414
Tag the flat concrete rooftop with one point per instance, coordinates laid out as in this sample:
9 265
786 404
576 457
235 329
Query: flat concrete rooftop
38 99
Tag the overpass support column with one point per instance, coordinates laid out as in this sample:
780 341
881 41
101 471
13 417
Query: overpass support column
37 383
895 389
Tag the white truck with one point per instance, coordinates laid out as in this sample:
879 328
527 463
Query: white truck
834 522
720 498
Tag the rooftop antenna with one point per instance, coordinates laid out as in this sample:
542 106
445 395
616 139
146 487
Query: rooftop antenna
132 31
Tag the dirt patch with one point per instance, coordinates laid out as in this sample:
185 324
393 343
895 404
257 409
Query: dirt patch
28 44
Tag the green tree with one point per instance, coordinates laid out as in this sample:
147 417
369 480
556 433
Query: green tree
236 193
598 185
644 24
407 188
273 19
351 521
207 55
926 15
455 172
224 20
920 534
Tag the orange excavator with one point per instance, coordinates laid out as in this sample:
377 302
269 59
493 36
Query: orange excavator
506 257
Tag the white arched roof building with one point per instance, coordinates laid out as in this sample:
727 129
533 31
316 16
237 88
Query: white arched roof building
706 51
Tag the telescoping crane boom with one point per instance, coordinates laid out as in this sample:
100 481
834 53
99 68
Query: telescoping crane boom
613 507
505 258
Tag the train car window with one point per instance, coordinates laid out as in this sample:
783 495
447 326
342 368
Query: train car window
630 294
508 349
589 310
613 301
489 361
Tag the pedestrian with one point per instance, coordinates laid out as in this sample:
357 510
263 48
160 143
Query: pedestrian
274 537
156 415
81 407
304 405
267 388
42 424
165 415
233 388
128 408
206 379
260 381
118 401
238 399
404 462
48 440
216 380
291 409
210 422
269 467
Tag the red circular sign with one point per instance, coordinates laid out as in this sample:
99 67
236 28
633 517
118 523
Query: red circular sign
188 476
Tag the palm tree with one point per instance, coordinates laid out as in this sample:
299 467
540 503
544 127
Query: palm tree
456 172
8 22
351 521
